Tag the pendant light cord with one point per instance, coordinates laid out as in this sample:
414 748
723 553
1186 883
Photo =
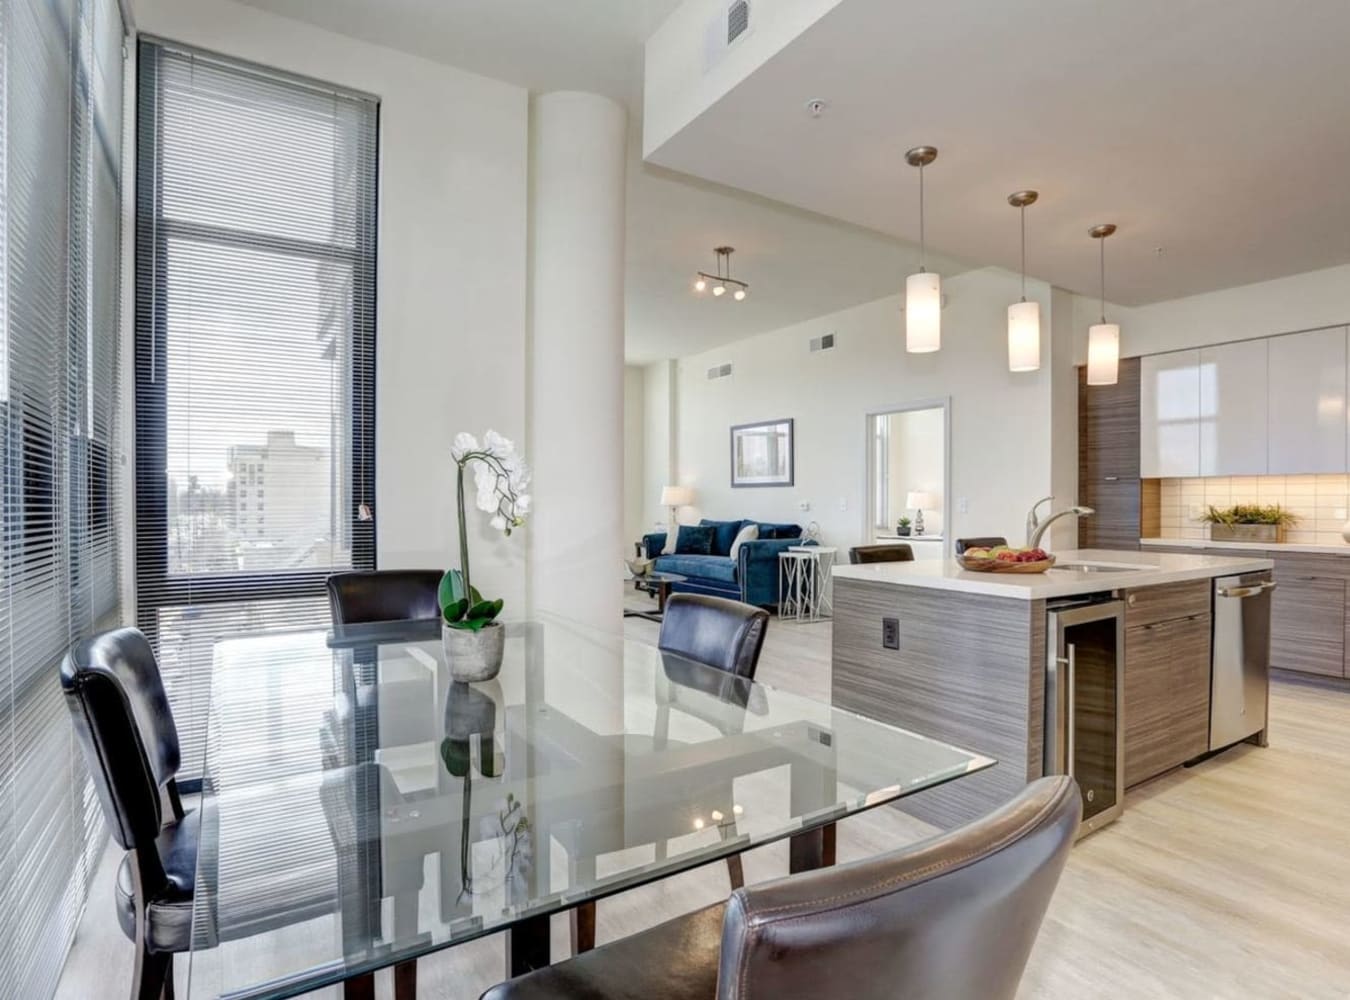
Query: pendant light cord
1102 241
922 247
1023 212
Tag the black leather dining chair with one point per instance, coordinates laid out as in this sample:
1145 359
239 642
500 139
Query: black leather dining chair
385 595
899 552
126 731
714 631
950 918
980 542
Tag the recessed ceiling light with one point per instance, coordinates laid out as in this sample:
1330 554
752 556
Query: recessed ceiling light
817 107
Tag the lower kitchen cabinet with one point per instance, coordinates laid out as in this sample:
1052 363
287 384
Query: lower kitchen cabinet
1307 624
1166 695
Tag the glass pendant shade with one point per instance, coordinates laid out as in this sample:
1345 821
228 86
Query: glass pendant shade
1024 336
923 313
1103 362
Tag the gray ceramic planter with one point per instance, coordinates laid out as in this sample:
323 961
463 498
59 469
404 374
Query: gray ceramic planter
474 656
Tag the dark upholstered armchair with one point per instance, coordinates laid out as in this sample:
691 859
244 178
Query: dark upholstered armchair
950 918
898 552
714 631
385 595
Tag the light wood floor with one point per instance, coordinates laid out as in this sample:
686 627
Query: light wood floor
1226 881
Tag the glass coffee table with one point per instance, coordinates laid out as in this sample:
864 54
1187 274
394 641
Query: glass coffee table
660 586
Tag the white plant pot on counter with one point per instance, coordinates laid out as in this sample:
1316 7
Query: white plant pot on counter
474 656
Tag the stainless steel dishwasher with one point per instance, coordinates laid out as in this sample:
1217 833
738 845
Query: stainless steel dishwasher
1240 675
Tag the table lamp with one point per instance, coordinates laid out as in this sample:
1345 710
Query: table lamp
919 499
676 497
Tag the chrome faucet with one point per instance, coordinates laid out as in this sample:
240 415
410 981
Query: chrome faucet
1036 528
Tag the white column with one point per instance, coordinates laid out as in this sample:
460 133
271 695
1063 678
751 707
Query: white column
577 145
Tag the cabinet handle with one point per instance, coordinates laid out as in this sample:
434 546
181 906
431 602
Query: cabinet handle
1111 479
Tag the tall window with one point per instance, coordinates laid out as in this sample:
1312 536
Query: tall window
60 169
255 327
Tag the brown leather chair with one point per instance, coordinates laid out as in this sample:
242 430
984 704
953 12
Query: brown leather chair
950 918
899 552
982 542
387 595
714 631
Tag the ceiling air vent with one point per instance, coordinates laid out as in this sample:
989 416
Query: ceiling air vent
738 19
824 343
719 371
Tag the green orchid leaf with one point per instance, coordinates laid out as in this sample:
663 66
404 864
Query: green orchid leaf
451 589
454 611
486 610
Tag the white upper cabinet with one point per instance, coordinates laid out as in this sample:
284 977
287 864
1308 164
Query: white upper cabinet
1307 409
1169 415
1233 398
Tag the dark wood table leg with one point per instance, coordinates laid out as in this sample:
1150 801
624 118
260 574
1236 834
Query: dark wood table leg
662 592
405 981
527 946
812 850
359 988
582 920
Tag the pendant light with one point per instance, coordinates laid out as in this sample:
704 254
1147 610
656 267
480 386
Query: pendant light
1024 318
1103 365
923 291
722 283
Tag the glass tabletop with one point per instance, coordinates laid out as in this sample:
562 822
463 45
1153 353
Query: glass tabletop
359 810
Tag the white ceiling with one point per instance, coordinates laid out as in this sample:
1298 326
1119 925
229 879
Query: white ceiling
800 265
1218 130
593 45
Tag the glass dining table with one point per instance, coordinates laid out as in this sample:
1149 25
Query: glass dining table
359 809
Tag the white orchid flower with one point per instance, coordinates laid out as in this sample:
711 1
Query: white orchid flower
498 522
523 502
497 446
463 444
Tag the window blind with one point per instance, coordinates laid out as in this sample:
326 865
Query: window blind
60 156
255 336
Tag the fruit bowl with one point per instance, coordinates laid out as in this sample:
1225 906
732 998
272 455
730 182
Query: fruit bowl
1005 560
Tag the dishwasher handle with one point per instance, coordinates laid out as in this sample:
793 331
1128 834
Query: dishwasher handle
1253 591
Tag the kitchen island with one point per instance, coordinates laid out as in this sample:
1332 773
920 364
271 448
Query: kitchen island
963 657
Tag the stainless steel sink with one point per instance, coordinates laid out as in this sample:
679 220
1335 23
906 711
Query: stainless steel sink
1098 568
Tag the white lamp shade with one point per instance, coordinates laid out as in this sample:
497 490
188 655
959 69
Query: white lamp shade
677 496
1103 362
923 312
1024 336
919 500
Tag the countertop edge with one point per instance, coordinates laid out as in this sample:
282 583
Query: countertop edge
1293 548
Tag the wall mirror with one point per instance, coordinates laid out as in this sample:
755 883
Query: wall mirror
908 461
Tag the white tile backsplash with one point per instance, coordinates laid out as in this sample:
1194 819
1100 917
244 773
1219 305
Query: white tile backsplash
1319 501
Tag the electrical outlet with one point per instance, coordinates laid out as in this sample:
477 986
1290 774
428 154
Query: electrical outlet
962 505
805 505
843 503
890 633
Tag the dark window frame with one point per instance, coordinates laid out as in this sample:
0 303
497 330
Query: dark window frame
153 233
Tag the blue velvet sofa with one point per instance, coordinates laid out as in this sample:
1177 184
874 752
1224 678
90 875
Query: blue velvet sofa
752 578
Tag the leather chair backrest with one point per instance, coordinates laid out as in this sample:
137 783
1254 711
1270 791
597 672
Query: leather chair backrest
899 552
982 542
951 918
125 729
714 631
387 595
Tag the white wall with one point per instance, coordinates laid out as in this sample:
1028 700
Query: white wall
1001 451
634 441
688 66
1305 301
659 467
452 265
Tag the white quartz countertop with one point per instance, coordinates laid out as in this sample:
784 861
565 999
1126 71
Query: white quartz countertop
1273 547
1143 569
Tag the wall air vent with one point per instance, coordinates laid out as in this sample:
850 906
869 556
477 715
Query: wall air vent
738 19
824 343
719 371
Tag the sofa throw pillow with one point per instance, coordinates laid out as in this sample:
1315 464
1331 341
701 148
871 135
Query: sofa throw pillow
724 535
695 540
747 534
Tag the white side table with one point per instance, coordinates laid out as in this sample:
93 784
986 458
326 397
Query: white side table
804 582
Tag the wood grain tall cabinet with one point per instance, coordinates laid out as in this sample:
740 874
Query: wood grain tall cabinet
1108 462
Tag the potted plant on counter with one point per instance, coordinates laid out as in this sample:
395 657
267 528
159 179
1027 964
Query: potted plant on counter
1248 523
474 640
902 526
